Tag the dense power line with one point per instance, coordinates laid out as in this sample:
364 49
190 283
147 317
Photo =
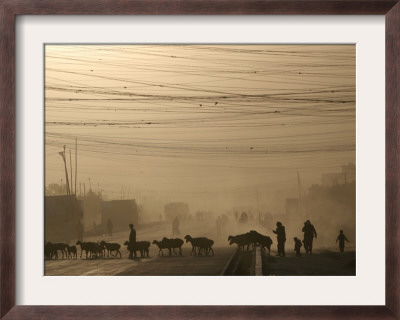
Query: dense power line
227 109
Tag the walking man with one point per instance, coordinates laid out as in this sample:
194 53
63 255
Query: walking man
175 227
309 234
281 236
132 239
341 238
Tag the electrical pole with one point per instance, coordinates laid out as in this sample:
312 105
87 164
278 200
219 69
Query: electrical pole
62 154
70 164
76 162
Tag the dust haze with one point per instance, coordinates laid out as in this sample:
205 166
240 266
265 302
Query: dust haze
268 131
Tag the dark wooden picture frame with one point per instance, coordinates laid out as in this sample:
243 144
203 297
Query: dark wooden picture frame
9 9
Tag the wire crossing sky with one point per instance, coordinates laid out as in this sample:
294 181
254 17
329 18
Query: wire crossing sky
199 121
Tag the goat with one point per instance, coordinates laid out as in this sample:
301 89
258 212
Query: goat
200 243
72 252
110 247
173 244
142 246
160 246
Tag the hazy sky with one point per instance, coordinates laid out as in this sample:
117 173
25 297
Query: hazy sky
223 124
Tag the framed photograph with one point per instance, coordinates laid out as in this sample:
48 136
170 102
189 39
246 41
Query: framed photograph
193 159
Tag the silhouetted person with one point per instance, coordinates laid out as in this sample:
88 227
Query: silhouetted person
243 218
341 238
297 246
281 236
175 227
109 227
132 239
309 234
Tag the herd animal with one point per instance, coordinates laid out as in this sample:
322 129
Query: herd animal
110 248
141 246
200 246
51 250
170 244
251 239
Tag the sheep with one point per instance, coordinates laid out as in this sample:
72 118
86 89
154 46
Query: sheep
263 241
251 238
50 251
241 240
206 245
142 246
200 243
96 250
72 252
55 247
172 244
160 246
47 252
110 247
84 247
89 247
194 242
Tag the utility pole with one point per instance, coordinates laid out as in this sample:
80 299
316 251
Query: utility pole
70 164
76 162
62 154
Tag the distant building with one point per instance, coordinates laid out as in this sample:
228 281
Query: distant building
349 172
120 212
347 175
62 215
176 209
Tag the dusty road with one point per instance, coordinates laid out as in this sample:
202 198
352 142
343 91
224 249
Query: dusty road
322 262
